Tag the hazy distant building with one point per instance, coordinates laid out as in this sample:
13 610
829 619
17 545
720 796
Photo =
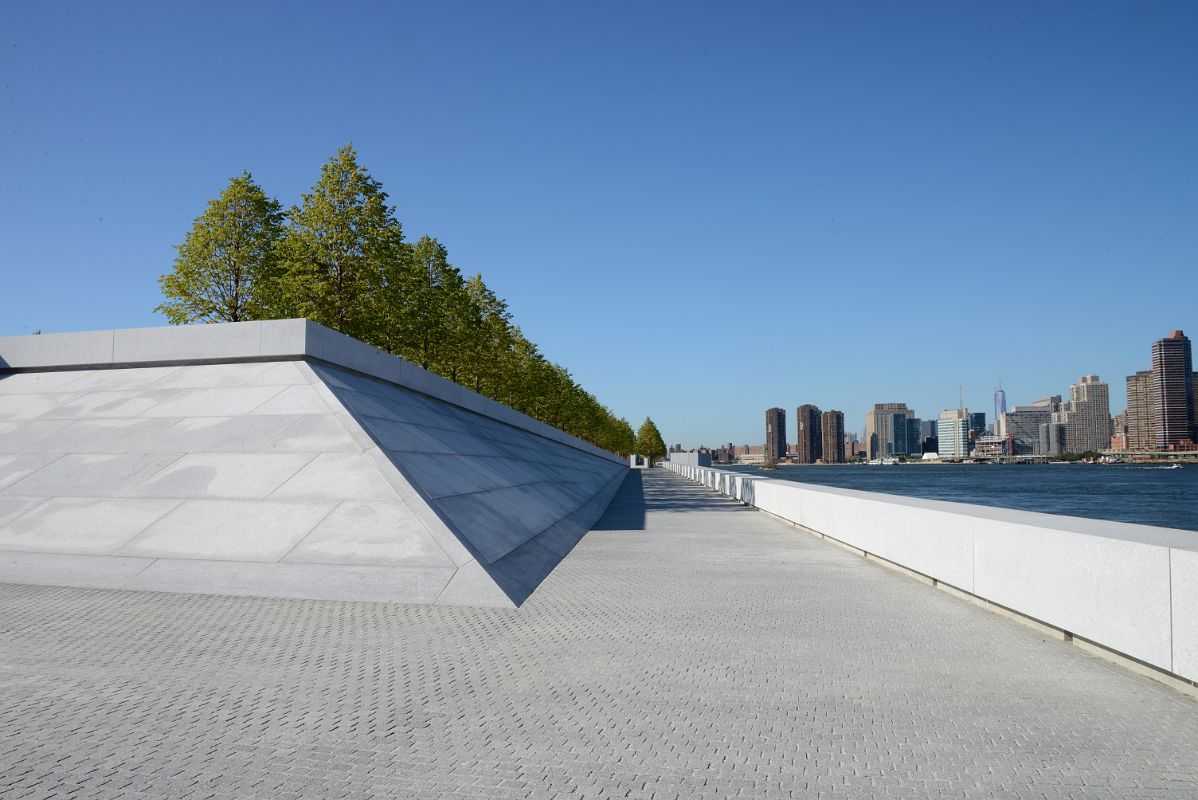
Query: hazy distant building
914 436
1194 409
1119 431
952 433
775 435
1052 437
809 433
989 446
1173 391
977 425
1000 411
886 430
1022 426
1141 423
832 436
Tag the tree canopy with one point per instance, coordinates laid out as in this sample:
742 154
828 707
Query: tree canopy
228 261
649 442
340 240
339 258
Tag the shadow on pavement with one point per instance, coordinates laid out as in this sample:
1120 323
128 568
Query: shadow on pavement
636 496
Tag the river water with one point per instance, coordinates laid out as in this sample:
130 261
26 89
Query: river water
1147 494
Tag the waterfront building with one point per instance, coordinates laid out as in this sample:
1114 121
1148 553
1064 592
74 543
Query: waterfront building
1022 426
952 432
775 435
1119 431
990 446
1173 391
977 424
914 436
1141 422
886 429
832 434
809 431
1087 416
1194 409
1052 436
1000 411
1194 414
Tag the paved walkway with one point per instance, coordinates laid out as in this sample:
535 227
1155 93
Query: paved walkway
688 647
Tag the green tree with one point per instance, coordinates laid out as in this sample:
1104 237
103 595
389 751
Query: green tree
227 263
436 318
340 243
489 348
339 258
649 442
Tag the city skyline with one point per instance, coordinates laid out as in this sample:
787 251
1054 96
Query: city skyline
1047 425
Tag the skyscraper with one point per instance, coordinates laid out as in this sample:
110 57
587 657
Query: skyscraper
775 435
832 430
1000 411
952 431
1086 417
809 431
886 429
1141 422
977 424
914 439
1173 391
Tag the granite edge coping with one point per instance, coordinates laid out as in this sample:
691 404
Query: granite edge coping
264 340
1175 538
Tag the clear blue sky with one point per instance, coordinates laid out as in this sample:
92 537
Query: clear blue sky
702 210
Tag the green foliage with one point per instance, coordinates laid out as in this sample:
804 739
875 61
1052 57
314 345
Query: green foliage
649 442
339 258
1089 455
227 262
341 242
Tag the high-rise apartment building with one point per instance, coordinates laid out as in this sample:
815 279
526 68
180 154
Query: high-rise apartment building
1084 423
775 435
1173 391
1141 422
832 434
886 430
952 432
1194 414
808 429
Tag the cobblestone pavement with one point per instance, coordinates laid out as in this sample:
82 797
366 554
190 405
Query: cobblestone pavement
688 647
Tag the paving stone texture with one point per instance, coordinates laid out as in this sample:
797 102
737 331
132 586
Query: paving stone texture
688 647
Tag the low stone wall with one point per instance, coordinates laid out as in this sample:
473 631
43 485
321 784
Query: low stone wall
1131 589
693 459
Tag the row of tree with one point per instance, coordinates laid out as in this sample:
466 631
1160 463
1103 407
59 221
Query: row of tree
339 258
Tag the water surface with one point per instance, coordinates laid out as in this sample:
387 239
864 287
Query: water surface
1149 494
